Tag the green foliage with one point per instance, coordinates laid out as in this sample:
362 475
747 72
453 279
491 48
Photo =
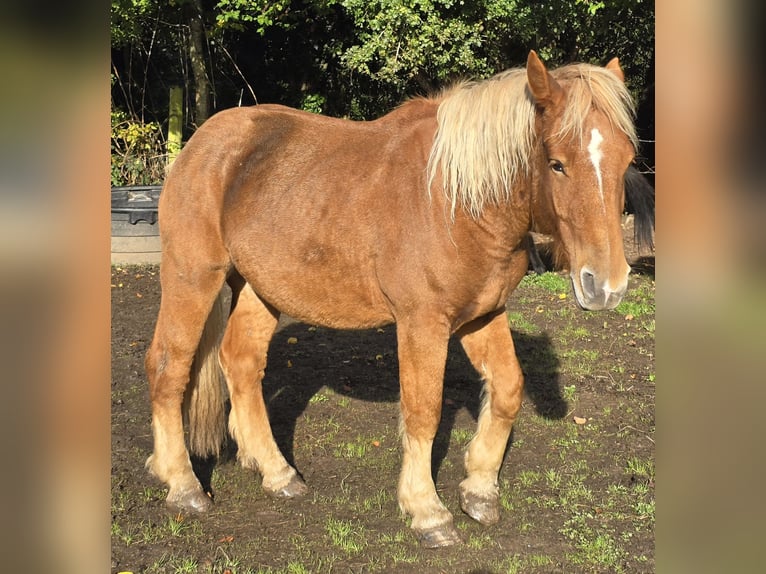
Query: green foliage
259 14
397 41
355 58
592 7
138 156
127 19
314 103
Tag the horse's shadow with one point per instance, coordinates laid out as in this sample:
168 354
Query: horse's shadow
363 365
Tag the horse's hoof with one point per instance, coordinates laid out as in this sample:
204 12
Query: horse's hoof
191 501
293 489
482 509
438 537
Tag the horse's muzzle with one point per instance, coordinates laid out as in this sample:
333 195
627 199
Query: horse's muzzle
595 294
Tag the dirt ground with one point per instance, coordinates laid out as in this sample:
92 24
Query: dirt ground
577 483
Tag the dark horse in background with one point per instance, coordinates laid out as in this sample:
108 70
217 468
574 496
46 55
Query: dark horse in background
418 218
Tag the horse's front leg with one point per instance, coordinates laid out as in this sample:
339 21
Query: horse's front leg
489 346
422 356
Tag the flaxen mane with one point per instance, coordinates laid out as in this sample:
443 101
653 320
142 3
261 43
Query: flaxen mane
486 130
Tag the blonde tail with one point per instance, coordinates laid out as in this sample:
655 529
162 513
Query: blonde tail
205 398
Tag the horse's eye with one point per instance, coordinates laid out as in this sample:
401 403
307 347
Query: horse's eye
557 166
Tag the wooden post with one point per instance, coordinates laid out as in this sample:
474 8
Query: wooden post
175 121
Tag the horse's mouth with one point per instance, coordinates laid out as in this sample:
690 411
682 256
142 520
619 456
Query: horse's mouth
593 294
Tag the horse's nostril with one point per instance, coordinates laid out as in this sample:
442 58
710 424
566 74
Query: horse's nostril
588 283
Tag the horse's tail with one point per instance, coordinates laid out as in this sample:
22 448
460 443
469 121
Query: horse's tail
639 197
205 397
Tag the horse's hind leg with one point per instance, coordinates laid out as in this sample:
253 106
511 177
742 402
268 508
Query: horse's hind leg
187 298
489 346
243 359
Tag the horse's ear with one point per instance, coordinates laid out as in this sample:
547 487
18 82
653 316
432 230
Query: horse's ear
614 67
545 89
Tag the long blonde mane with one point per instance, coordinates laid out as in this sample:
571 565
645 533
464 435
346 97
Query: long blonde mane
486 130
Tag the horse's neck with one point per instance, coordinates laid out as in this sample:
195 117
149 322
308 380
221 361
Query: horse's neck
507 224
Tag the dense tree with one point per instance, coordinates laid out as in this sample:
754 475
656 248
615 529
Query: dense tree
354 58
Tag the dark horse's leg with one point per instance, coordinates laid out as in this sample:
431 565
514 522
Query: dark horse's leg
534 255
188 293
243 359
422 347
489 346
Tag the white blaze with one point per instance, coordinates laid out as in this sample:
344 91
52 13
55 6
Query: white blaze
594 149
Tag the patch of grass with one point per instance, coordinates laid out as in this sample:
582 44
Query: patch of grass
567 313
172 564
602 550
572 440
398 538
580 362
598 522
399 547
638 301
120 502
320 397
644 509
576 493
552 478
479 541
550 281
177 526
510 565
539 560
357 448
518 322
152 493
295 567
528 478
641 469
127 536
347 535
147 532
376 502
573 333
461 436
635 308
519 565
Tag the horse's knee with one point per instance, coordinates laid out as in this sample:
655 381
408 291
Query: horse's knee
506 405
152 365
505 394
421 422
167 377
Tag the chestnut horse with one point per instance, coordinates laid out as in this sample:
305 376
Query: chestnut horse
418 219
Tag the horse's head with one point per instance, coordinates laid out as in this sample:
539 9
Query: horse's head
585 148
